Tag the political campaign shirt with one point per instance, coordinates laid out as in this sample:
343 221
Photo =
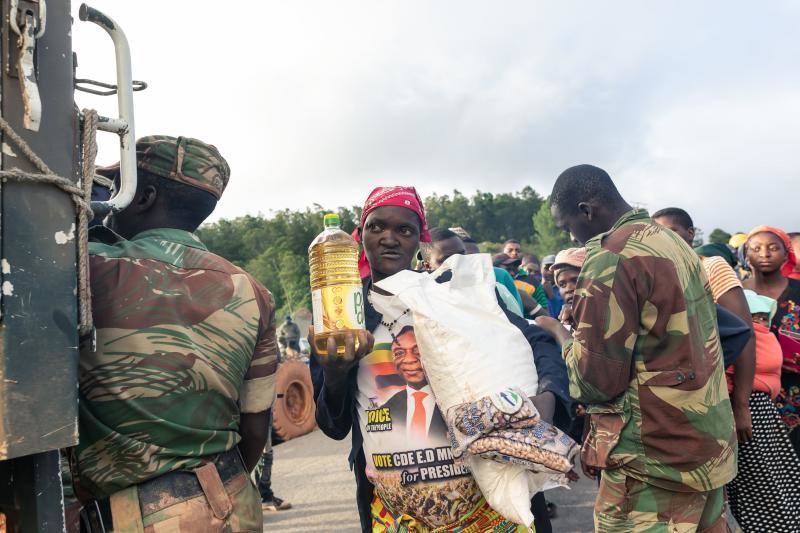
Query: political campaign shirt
406 445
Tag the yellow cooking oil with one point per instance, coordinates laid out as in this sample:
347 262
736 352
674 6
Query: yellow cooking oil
336 295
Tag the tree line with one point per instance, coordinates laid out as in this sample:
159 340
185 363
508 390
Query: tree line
274 248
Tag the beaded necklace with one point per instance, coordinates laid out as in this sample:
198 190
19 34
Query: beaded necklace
391 324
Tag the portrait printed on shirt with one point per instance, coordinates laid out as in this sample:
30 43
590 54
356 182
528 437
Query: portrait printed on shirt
409 458
413 407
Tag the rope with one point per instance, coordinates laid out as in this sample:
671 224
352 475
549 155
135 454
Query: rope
89 154
80 195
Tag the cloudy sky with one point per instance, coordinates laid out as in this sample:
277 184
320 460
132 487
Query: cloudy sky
695 104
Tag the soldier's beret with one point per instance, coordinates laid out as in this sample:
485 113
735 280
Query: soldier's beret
182 159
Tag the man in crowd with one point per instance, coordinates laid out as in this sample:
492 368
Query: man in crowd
529 272
527 291
513 249
530 265
173 399
646 361
554 299
289 334
727 291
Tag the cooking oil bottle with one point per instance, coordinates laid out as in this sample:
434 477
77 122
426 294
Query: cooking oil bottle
336 294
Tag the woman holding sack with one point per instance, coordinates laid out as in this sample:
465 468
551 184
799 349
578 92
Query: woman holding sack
378 392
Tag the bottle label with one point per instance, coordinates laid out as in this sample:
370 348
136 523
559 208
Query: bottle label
338 307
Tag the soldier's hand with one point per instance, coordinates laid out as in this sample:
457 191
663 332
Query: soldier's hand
554 328
335 366
590 471
744 422
565 317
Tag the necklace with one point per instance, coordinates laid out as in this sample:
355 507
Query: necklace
391 324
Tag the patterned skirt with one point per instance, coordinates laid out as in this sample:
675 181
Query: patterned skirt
480 520
765 496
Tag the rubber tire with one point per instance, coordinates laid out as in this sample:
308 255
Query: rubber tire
293 413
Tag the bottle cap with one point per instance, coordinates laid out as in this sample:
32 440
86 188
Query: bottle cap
331 220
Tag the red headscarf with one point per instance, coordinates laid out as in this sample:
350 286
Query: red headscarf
791 259
390 196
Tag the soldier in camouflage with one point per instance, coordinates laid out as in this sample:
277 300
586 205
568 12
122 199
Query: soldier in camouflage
646 360
173 398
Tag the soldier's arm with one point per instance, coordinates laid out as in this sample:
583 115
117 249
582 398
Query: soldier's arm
607 318
254 429
258 390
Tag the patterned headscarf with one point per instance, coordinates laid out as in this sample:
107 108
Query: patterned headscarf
791 259
390 196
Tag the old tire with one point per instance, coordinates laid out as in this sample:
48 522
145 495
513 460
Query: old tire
293 414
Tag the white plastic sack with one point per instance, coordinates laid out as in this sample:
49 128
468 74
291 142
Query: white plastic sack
469 347
470 350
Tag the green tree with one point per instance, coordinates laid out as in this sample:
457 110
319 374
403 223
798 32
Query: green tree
549 238
719 236
486 216
286 275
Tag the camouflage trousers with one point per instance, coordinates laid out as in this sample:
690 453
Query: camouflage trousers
625 504
231 507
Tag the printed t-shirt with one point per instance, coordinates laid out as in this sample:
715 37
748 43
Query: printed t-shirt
407 450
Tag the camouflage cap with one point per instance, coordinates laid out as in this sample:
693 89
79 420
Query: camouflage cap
181 159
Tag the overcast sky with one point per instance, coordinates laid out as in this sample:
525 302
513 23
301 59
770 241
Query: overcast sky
694 104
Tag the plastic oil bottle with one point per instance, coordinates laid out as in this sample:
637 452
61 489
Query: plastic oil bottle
336 294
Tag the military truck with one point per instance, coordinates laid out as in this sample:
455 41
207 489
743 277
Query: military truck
47 170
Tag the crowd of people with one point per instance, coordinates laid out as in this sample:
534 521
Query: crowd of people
676 368
679 371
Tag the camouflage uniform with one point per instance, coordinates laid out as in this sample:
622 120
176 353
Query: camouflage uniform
647 361
185 345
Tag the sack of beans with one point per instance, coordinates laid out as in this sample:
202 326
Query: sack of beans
541 448
481 371
506 427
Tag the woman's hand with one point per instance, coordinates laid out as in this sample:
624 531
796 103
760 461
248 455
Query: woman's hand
335 366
